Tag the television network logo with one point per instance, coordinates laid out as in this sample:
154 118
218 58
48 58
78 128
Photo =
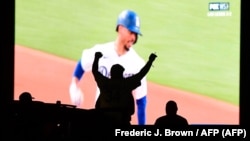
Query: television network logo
219 9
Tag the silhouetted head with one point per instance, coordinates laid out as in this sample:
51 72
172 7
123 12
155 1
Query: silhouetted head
25 97
171 107
117 71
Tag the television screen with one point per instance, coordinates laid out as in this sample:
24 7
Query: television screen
197 44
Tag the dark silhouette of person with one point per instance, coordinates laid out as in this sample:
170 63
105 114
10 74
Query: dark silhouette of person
171 119
25 98
28 118
116 97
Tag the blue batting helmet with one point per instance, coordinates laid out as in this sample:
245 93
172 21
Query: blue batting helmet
130 20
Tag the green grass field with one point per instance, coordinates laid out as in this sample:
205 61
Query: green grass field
196 53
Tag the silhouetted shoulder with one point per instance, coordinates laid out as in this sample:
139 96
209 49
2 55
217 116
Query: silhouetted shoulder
172 121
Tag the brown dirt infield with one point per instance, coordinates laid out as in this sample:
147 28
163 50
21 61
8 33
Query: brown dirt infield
47 78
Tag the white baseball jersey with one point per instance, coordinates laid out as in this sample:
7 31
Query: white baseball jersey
131 61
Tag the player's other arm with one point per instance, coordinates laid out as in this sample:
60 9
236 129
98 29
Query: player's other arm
78 73
75 96
83 65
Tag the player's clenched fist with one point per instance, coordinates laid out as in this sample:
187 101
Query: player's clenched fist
98 54
152 56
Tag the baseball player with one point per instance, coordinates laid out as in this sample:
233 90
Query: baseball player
120 52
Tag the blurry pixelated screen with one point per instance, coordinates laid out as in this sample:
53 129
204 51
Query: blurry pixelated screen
198 43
